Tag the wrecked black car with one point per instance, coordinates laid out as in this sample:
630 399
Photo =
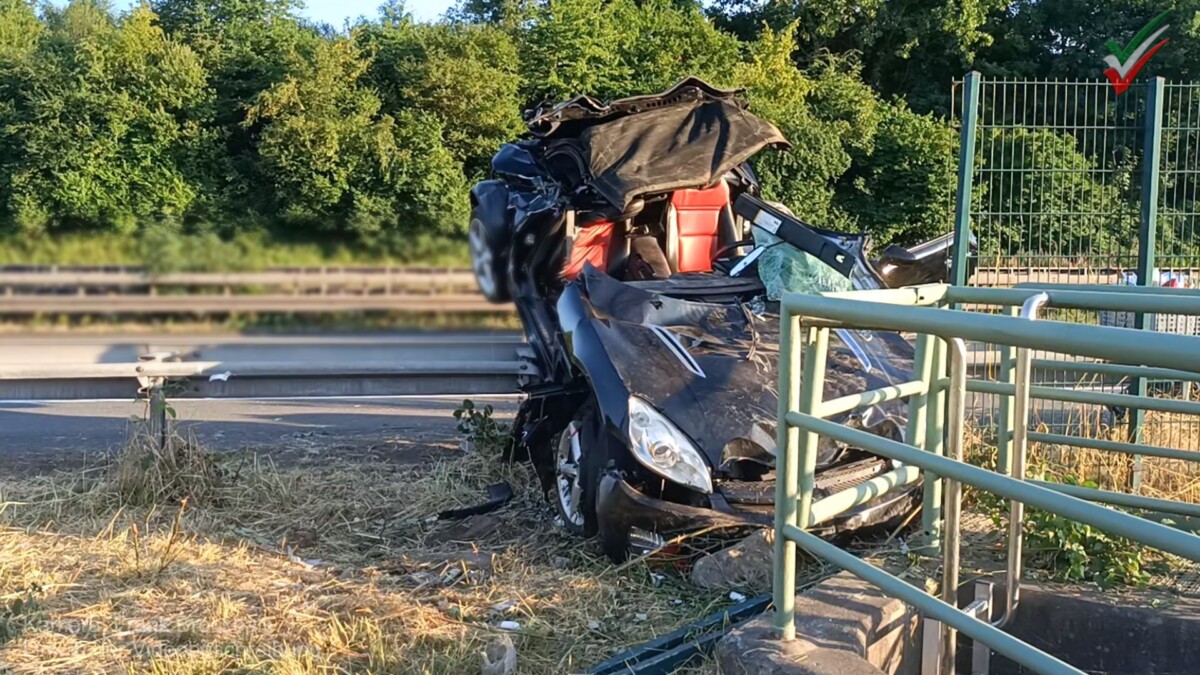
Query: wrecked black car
646 268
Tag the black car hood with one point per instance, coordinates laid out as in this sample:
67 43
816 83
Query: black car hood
711 368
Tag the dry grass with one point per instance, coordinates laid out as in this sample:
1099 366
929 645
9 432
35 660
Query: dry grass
1172 479
180 563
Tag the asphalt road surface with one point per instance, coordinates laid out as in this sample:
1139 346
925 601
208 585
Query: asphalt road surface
36 434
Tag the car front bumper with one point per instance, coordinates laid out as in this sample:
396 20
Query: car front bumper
620 507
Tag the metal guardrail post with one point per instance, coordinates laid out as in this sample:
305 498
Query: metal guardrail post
918 406
153 386
1016 509
1004 412
1147 234
981 608
966 177
953 495
931 508
797 458
802 471
786 474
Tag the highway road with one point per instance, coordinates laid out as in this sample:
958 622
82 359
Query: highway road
47 432
36 435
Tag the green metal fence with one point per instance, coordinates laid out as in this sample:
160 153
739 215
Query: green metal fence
804 415
1067 182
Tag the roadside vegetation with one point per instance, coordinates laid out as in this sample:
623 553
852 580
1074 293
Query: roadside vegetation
184 561
243 135
167 252
1065 550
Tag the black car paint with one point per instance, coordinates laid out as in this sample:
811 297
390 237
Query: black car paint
587 349
579 348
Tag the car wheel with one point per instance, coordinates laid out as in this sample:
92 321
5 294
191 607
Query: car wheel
582 454
570 480
486 261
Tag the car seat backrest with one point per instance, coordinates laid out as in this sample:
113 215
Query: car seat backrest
697 225
596 243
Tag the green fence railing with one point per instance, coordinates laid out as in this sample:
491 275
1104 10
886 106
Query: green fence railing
943 334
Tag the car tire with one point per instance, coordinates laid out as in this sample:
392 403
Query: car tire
585 445
488 261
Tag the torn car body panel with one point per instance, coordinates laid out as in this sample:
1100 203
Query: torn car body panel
646 271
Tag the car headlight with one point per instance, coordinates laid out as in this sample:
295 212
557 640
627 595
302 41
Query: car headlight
665 450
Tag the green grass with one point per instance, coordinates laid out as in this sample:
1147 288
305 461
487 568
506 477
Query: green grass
252 250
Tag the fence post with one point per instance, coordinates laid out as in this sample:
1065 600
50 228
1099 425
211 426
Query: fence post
1147 233
1005 414
801 473
966 178
786 475
935 424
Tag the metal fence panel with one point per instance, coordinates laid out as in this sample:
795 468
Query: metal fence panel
1067 182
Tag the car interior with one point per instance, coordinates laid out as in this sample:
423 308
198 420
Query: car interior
656 237
672 243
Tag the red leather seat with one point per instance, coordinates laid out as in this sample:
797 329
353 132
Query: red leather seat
593 244
694 227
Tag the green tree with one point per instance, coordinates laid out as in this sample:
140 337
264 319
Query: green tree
903 192
910 48
337 164
463 76
1066 38
1043 196
573 47
246 47
101 133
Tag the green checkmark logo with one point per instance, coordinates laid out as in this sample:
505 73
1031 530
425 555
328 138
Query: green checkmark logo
1124 52
1125 61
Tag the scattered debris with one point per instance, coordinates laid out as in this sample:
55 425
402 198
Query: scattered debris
736 597
502 607
498 495
451 576
472 561
560 562
594 625
470 529
422 578
219 377
640 616
509 625
499 657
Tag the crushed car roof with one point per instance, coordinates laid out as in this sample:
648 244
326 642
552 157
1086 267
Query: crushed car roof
688 136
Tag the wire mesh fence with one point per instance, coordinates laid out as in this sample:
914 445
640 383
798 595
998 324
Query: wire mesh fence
1071 183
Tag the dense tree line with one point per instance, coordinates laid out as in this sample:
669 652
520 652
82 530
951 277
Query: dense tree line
225 116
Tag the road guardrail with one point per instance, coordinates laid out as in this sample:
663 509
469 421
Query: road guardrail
97 290
265 367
